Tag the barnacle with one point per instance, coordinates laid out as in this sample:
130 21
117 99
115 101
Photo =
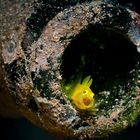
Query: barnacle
61 39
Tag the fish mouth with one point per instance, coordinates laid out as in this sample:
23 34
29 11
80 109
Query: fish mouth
87 101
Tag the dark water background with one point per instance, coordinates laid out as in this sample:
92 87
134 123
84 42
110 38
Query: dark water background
21 129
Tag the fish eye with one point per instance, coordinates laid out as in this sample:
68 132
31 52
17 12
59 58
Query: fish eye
85 92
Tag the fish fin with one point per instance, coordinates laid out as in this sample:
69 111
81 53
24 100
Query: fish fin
87 81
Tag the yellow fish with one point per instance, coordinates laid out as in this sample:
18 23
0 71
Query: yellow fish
81 94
